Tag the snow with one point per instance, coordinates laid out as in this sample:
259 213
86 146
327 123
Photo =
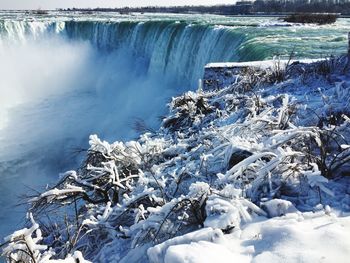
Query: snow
278 207
156 254
256 64
320 239
233 175
291 238
315 178
221 214
259 64
26 243
202 252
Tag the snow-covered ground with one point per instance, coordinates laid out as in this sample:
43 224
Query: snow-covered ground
296 237
257 171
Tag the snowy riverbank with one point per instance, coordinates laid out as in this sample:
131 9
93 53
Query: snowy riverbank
254 171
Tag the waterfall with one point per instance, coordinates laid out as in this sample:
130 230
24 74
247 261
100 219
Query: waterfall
96 76
64 80
176 50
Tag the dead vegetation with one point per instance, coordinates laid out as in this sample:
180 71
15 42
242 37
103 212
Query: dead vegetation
312 18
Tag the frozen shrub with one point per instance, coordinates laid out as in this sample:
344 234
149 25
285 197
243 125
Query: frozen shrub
219 158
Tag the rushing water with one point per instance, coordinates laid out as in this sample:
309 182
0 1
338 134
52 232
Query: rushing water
64 76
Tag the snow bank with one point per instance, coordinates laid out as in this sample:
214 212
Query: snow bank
157 253
257 64
292 238
321 239
202 252
218 75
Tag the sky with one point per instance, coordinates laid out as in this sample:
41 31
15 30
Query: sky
52 4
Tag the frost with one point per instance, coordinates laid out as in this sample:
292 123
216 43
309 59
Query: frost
222 162
222 214
24 246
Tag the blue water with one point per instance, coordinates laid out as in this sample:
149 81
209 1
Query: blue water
64 77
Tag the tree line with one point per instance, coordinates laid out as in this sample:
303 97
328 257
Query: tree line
242 7
302 6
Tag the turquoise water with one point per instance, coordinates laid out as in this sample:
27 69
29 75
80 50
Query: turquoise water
67 75
169 43
275 36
